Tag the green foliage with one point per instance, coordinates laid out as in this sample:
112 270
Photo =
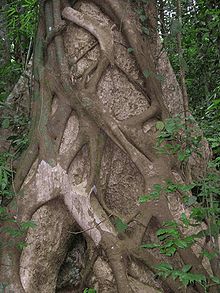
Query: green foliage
210 123
185 277
177 137
168 187
170 239
5 175
120 225
19 19
8 216
9 73
130 50
201 59
146 73
143 18
18 124
203 77
216 280
155 194
3 286
89 290
13 228
160 125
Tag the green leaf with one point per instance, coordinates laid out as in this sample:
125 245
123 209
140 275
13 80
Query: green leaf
168 232
186 187
143 17
170 126
191 200
89 290
189 240
186 268
171 187
157 187
130 50
150 245
5 123
159 125
144 198
3 286
184 219
140 11
153 195
181 243
176 274
120 225
214 229
168 244
145 30
215 279
197 278
209 255
2 210
160 77
184 279
164 267
182 156
146 73
21 245
170 251
170 224
27 225
12 232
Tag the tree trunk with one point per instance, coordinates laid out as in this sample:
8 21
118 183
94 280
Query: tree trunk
92 153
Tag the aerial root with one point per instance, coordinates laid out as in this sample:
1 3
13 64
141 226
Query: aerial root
96 148
88 269
101 67
87 73
67 157
58 121
102 33
27 159
54 32
47 149
140 119
116 256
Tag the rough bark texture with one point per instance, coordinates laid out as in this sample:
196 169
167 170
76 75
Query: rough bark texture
92 153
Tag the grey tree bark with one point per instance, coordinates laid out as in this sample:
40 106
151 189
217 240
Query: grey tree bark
92 152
